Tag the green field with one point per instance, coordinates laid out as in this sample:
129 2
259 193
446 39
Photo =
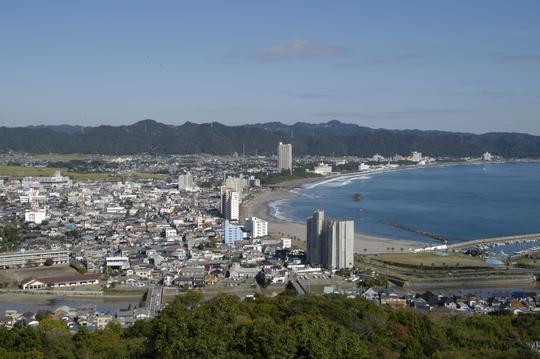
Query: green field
427 259
57 157
20 172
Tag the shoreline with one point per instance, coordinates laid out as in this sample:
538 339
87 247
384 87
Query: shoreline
259 206
301 182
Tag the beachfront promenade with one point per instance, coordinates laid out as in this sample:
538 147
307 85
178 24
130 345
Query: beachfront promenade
483 241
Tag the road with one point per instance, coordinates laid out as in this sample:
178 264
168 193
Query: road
154 300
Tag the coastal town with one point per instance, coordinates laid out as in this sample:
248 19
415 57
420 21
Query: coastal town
141 230
269 180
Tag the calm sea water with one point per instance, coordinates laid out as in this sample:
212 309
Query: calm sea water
461 202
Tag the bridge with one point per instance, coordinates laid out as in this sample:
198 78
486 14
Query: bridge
483 241
154 300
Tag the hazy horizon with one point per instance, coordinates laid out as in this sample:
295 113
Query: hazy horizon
458 66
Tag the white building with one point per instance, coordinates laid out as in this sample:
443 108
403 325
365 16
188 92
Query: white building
56 181
121 262
185 182
23 258
487 156
416 156
114 209
35 215
286 243
323 169
237 184
237 271
171 232
233 232
363 167
284 157
61 281
257 227
230 204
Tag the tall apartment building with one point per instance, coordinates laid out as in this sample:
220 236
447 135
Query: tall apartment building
237 184
230 204
330 243
185 182
284 157
314 242
340 244
257 227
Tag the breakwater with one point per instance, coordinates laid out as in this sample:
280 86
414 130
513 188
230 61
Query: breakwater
435 236
485 241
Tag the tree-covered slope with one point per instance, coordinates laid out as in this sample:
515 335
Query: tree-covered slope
284 327
332 138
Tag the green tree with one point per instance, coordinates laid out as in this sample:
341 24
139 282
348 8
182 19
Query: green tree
52 324
49 262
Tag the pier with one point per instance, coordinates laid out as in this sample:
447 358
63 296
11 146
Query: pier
483 241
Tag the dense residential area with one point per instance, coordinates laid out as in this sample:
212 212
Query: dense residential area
270 179
123 247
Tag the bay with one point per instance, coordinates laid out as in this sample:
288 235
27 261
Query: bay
460 202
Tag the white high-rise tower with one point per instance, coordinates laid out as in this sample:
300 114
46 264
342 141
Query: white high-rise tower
330 243
185 182
230 204
284 157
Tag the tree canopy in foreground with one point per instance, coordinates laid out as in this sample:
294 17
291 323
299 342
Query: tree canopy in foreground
330 326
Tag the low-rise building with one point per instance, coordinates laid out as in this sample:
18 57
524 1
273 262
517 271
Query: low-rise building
119 262
233 233
61 281
33 258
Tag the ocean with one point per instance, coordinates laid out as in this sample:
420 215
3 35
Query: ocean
459 202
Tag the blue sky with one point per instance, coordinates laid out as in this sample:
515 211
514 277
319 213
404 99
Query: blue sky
452 65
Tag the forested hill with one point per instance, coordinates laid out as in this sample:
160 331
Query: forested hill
332 138
285 327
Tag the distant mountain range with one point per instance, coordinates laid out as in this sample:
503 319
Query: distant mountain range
331 138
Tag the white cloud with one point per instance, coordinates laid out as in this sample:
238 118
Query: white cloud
300 48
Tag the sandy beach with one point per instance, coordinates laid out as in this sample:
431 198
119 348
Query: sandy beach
258 206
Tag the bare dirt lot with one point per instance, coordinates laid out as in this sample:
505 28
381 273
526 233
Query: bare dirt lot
14 276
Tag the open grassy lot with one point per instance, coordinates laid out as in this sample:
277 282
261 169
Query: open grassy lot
429 259
62 157
532 261
19 172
